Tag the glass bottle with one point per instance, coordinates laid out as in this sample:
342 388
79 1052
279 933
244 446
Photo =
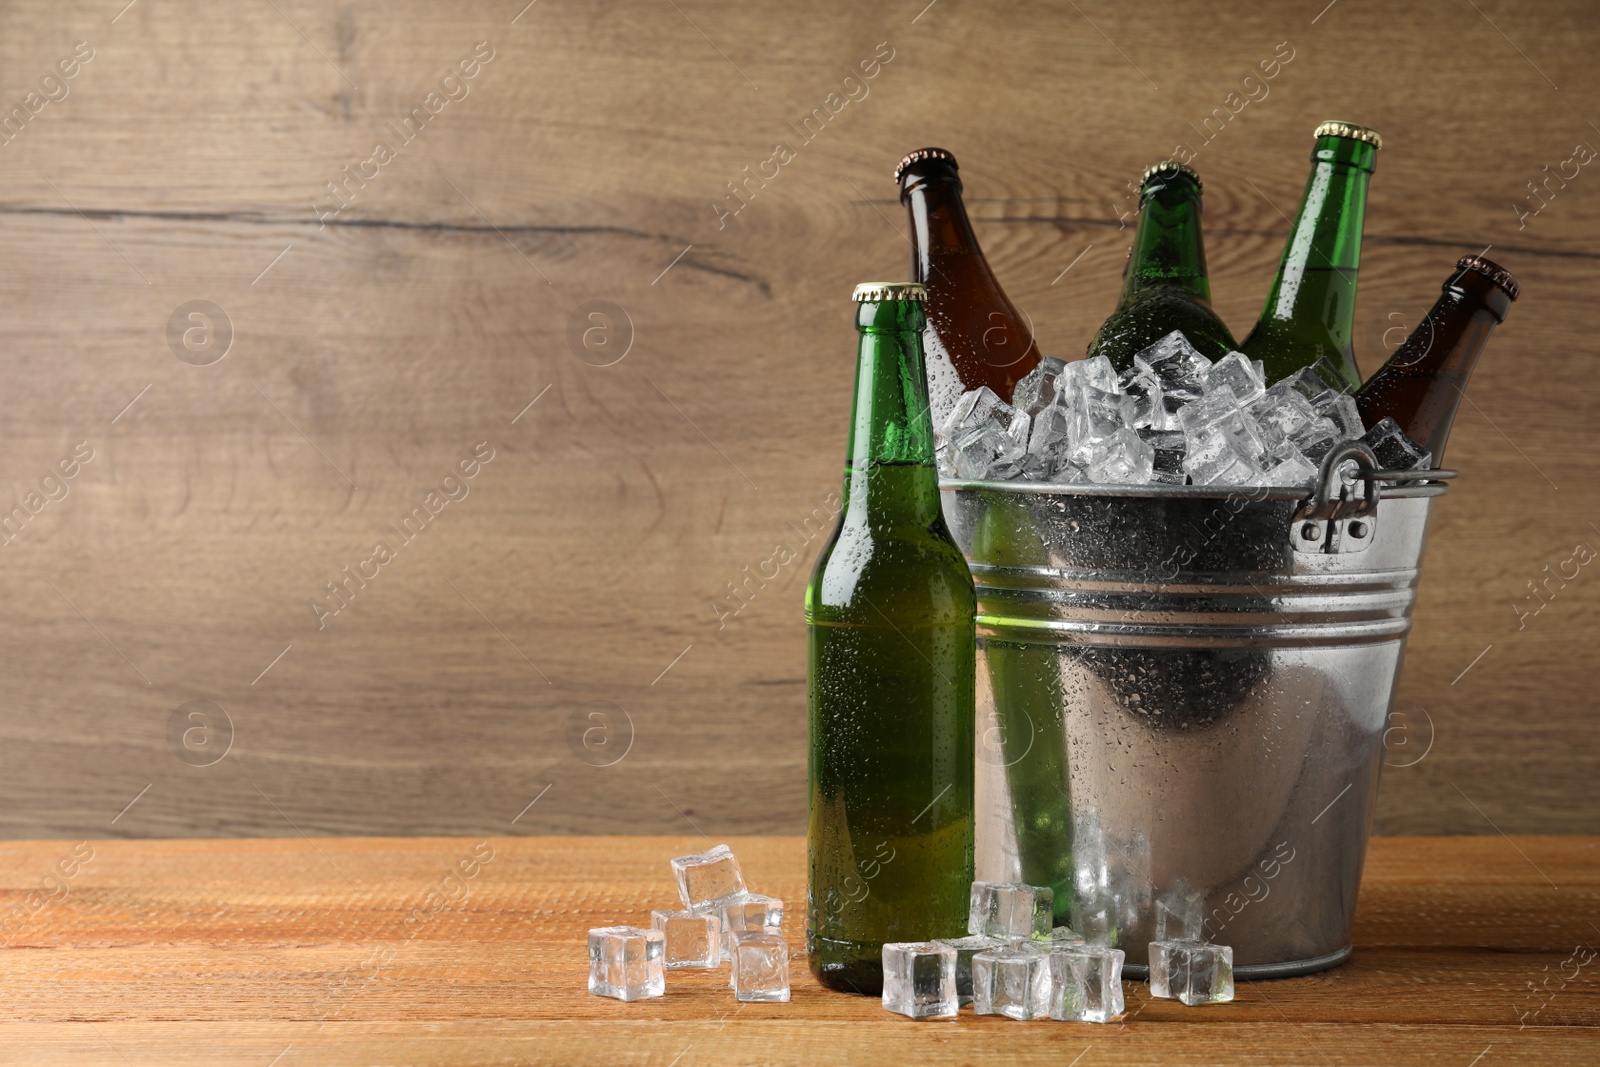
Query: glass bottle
890 614
974 335
1310 309
1166 286
1422 384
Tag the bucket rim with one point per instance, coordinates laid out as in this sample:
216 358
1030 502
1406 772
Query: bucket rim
1433 485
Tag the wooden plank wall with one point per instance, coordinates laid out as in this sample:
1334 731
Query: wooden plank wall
568 605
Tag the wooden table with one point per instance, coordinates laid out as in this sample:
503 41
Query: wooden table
1469 951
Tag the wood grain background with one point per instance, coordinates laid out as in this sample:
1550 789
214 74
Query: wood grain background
587 571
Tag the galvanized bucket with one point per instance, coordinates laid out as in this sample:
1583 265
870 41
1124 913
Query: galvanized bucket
1182 696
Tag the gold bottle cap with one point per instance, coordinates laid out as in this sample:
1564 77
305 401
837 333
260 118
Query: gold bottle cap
925 153
1335 128
1493 271
874 291
1169 166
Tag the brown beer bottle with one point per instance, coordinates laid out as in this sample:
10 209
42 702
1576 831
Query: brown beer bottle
974 335
1421 386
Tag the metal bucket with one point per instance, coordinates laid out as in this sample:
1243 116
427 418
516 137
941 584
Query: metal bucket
1182 695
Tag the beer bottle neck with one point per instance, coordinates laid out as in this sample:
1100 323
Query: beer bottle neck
1313 296
889 473
1168 252
938 217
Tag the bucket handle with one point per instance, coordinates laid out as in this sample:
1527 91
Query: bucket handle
1340 517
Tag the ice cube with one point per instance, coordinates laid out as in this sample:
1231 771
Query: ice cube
965 949
708 878
760 969
1085 983
1315 438
1328 373
1309 385
1396 451
1146 406
1237 373
1180 913
1097 373
626 962
919 979
1050 438
1166 466
1215 457
693 938
1033 389
971 411
985 454
1064 935
749 911
1342 412
1010 910
1174 359
1097 414
1293 470
1281 411
1013 980
1194 972
1121 459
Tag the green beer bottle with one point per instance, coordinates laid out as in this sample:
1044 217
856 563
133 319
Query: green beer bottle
1166 287
890 618
1311 307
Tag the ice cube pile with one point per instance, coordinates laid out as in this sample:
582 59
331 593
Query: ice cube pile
720 920
1012 962
1174 418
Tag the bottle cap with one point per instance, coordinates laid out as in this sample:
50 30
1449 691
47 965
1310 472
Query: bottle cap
1335 128
925 153
873 291
1491 270
1169 166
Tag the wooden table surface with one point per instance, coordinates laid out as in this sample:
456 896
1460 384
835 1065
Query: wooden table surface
1469 951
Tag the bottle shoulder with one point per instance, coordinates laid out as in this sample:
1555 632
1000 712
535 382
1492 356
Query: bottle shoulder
1150 316
894 570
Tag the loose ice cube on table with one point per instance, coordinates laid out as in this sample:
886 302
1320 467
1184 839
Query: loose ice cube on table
1238 373
1195 972
1121 459
626 962
1085 983
760 968
749 911
708 878
1010 910
1013 980
965 949
919 979
1396 451
693 938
